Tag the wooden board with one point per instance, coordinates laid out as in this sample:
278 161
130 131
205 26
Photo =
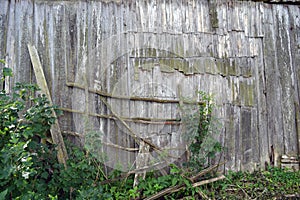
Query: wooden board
55 129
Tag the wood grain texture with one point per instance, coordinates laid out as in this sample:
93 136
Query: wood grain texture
246 53
56 135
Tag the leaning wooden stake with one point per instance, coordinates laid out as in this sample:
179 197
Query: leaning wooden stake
56 135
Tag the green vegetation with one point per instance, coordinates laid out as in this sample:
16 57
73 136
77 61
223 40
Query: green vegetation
29 167
200 129
273 183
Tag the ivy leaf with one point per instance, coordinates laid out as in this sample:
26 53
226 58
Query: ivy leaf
2 61
7 72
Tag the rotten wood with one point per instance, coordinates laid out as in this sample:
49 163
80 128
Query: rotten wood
56 135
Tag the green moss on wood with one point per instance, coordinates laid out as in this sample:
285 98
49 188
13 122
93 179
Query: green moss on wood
221 67
246 93
231 67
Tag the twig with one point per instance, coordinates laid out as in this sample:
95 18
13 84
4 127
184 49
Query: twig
163 192
202 194
204 182
241 189
206 171
180 187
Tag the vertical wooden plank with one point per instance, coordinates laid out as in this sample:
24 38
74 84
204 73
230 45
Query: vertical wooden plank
255 145
238 138
246 139
295 51
202 21
287 80
273 86
4 15
176 7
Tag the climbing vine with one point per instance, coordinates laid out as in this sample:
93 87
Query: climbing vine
200 128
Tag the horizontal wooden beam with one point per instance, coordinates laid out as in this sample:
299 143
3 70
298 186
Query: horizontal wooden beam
130 98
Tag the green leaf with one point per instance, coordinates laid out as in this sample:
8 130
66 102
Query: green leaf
3 194
174 169
7 72
2 61
174 181
44 175
187 183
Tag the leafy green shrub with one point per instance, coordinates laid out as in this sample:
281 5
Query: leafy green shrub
25 121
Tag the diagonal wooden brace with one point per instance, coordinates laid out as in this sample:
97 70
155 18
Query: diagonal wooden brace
56 135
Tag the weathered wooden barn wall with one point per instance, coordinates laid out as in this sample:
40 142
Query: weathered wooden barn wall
246 53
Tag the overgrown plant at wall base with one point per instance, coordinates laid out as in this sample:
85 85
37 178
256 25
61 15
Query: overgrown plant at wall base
200 127
30 170
25 121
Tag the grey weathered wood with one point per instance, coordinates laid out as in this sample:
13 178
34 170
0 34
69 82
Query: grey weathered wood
245 52
55 129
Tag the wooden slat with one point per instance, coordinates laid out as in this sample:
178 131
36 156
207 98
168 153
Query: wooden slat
41 81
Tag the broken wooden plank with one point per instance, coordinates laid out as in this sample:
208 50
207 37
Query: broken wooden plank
56 135
141 161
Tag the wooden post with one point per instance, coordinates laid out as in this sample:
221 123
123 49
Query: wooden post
41 81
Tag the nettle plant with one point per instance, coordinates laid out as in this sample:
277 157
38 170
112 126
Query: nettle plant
200 128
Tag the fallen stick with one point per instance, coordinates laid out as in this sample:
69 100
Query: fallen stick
180 187
205 171
204 182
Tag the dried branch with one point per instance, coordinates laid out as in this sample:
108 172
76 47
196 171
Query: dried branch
206 171
204 182
180 187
